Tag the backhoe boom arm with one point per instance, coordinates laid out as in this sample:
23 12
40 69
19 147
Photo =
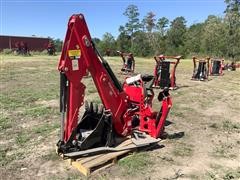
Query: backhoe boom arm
127 107
78 56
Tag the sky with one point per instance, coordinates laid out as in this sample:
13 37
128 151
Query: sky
49 18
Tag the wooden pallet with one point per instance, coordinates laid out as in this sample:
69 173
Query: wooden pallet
92 164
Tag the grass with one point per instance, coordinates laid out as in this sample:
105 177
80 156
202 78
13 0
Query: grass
45 129
222 172
211 175
92 90
26 82
224 150
38 111
166 158
51 156
177 111
135 163
22 138
25 137
10 102
226 125
232 174
183 150
5 122
230 126
5 159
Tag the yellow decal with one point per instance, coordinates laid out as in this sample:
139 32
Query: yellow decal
74 53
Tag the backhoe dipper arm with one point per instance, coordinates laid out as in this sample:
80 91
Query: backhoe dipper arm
78 56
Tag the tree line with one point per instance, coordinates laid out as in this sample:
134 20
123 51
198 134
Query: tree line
216 36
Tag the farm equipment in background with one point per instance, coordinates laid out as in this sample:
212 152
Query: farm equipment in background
163 76
237 65
126 110
201 71
232 66
22 48
51 48
216 67
128 62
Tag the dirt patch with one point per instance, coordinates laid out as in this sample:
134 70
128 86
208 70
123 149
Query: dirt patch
50 103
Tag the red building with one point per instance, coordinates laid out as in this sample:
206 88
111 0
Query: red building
33 43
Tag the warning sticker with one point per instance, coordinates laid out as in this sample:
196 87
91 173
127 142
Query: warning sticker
75 65
74 53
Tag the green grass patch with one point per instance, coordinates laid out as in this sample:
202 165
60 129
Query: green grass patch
92 89
177 111
230 126
45 129
22 138
192 176
3 158
226 126
183 149
135 163
222 173
9 102
5 122
224 150
211 175
232 174
51 156
41 130
6 159
38 111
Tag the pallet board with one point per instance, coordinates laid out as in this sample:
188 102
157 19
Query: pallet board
95 163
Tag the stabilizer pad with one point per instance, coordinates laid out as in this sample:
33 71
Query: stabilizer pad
142 139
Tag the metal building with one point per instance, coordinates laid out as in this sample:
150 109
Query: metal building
33 43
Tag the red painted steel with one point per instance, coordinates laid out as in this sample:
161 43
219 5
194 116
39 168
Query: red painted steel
79 56
174 60
205 60
220 73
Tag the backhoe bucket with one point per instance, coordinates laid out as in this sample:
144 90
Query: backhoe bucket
200 69
216 67
93 130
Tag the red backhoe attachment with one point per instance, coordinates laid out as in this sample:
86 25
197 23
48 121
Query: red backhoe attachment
51 48
231 66
128 62
163 76
216 67
126 110
201 71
